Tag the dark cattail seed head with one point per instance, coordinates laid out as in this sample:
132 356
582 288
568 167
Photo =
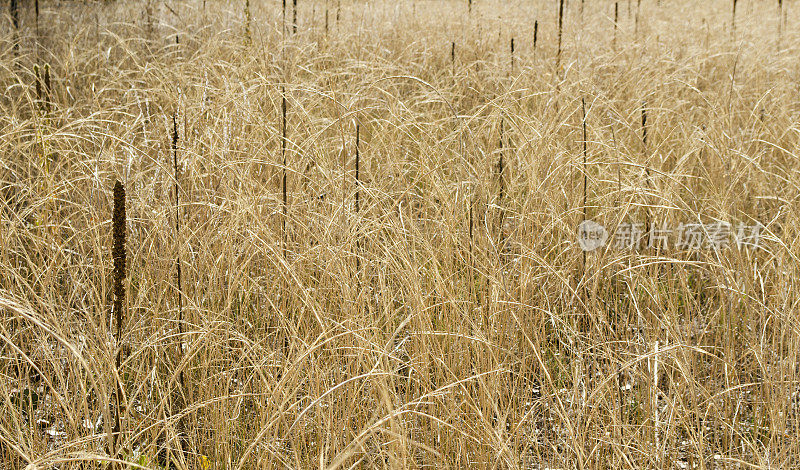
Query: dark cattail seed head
118 253
47 90
38 79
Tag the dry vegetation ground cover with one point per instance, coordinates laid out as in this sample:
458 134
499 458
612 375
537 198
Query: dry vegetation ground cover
448 318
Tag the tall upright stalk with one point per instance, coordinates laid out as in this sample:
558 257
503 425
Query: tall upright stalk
585 175
294 16
13 10
118 254
616 25
358 164
638 12
501 185
500 162
584 319
512 54
48 98
284 179
248 17
646 162
358 193
38 84
179 279
178 263
560 32
453 57
36 24
284 182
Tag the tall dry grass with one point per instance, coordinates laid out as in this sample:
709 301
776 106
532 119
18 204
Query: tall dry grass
410 329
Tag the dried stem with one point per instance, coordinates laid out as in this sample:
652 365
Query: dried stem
560 31
118 253
283 159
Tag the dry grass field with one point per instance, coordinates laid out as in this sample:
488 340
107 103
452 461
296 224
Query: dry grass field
353 242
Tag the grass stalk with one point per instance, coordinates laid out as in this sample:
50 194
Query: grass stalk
37 78
616 25
294 16
512 54
284 192
501 193
585 168
453 57
118 255
646 164
248 17
358 165
36 26
48 94
176 188
560 33
179 282
13 11
581 278
358 194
